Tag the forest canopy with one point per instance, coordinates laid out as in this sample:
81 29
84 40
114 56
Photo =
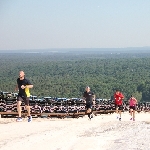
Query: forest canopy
67 74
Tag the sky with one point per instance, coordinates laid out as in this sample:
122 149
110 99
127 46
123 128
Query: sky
45 24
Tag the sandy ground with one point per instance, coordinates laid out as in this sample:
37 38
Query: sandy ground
103 132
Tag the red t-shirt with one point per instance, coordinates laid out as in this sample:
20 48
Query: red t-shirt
118 98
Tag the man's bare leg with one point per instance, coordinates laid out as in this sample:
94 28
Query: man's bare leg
116 110
28 113
19 111
19 108
117 113
89 112
120 115
28 110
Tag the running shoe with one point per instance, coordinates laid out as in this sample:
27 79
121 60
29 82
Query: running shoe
91 116
133 119
119 119
19 119
29 118
130 118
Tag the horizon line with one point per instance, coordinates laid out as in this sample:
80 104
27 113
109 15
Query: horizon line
75 48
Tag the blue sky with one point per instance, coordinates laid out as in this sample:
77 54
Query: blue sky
42 24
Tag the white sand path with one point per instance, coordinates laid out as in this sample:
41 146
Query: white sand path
104 132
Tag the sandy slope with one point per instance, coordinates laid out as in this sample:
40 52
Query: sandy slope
104 132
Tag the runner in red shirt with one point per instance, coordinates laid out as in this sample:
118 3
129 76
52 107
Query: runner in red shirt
118 96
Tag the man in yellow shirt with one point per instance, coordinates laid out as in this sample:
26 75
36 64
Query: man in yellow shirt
23 86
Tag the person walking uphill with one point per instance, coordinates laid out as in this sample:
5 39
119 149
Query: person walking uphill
132 103
118 96
23 86
89 98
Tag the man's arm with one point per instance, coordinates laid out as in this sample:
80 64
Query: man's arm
29 86
94 99
83 96
114 96
121 96
16 88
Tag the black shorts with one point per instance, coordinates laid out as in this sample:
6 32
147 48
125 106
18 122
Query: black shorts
23 99
133 107
119 107
89 106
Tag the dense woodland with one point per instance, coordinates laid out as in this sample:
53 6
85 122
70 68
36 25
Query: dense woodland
67 74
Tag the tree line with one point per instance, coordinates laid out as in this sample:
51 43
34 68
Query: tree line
67 75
